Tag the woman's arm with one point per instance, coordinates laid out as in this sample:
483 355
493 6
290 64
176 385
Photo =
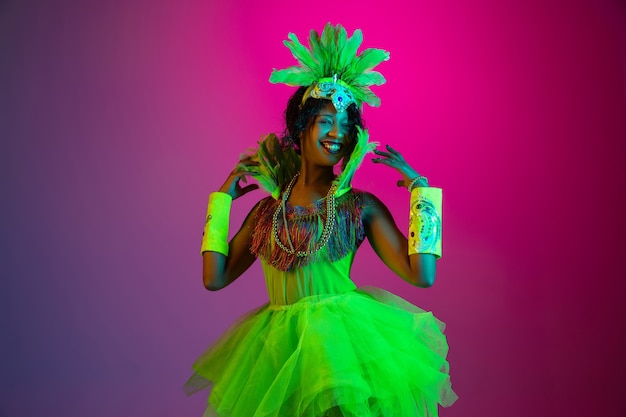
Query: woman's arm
391 245
221 267
388 241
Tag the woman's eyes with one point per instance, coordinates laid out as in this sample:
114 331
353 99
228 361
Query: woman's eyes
329 122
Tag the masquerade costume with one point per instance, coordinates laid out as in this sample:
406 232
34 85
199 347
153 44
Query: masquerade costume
321 346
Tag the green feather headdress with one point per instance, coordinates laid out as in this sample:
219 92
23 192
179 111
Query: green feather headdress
332 70
332 58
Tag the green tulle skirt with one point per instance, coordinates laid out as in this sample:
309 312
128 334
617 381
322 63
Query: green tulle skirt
363 353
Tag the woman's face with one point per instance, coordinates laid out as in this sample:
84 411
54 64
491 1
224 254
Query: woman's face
326 141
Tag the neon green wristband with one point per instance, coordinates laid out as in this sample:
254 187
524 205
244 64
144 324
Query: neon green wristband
425 221
215 237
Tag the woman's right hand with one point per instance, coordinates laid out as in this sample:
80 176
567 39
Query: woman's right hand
232 186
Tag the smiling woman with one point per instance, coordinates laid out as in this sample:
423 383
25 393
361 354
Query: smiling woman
301 113
321 346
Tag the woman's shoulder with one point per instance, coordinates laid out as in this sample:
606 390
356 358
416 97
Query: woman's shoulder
366 197
371 205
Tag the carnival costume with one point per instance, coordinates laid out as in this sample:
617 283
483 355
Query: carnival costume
321 346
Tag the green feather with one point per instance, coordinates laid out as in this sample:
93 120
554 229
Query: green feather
359 96
369 78
361 149
329 44
318 53
369 59
300 52
341 37
328 36
350 48
277 164
369 97
293 76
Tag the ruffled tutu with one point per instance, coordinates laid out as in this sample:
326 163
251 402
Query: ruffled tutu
365 353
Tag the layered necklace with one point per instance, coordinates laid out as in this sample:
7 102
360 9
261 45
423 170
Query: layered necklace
328 225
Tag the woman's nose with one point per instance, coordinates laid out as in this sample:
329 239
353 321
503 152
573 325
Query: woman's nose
336 131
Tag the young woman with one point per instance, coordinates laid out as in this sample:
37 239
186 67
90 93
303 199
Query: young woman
321 346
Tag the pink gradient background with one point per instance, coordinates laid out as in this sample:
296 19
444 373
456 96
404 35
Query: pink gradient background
118 118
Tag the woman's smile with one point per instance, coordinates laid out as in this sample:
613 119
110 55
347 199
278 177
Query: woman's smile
332 147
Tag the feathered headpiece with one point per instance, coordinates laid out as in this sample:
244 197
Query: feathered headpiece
332 69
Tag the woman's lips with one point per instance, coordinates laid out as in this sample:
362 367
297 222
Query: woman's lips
332 147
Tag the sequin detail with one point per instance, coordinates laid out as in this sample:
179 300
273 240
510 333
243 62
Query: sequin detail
427 222
335 90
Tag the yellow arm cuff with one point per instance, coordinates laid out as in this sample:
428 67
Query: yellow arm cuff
215 237
425 221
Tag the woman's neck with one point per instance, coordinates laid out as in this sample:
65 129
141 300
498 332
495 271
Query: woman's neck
312 184
316 177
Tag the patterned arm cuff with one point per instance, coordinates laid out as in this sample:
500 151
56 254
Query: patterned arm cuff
425 221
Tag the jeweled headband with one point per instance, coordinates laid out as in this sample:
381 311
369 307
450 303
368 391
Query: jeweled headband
331 68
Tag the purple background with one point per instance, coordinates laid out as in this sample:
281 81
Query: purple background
118 118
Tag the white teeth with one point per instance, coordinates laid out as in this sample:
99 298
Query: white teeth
332 147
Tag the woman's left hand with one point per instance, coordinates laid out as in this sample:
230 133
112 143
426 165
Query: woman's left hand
394 159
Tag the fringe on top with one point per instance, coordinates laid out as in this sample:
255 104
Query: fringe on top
305 229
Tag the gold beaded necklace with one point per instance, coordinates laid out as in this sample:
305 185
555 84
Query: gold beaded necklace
328 225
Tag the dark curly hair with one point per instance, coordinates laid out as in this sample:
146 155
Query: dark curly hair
298 118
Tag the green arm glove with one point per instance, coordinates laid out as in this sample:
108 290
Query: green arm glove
215 237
